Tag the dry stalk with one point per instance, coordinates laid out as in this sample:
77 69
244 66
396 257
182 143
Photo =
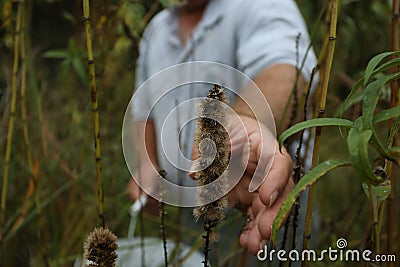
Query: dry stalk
95 110
321 112
14 85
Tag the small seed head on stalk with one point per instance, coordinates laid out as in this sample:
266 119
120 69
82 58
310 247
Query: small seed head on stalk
100 248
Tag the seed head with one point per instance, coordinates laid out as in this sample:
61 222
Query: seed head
100 248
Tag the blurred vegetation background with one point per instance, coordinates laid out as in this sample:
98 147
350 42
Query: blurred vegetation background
51 208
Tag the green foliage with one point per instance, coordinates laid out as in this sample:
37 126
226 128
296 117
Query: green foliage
72 58
362 133
305 181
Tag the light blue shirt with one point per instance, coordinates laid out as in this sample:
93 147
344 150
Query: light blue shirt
247 35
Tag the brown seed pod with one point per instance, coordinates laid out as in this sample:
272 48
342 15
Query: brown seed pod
100 248
213 140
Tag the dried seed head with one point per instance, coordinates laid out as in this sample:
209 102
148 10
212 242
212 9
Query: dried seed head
211 115
100 248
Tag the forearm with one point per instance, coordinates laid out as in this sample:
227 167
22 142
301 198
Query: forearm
276 83
147 145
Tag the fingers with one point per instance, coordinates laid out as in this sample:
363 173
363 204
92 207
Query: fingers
259 226
277 178
268 215
251 237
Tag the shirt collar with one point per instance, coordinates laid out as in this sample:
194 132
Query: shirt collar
212 15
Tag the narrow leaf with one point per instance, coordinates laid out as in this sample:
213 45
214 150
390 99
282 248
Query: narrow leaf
371 98
357 143
393 131
387 65
352 97
386 114
352 94
357 97
56 53
307 180
313 123
373 63
379 193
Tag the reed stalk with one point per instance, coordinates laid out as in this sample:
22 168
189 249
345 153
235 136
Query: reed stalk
95 110
321 112
394 101
25 129
11 120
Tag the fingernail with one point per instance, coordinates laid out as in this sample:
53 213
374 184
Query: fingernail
273 197
263 243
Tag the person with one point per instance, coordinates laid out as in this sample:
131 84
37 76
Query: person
267 40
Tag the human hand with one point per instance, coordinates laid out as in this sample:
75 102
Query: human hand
135 191
263 204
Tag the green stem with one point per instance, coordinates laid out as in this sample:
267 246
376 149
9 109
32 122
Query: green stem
95 110
11 120
376 236
321 112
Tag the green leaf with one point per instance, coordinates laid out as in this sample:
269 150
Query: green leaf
357 97
80 70
313 123
373 63
352 97
352 94
357 143
308 179
386 114
56 53
371 98
393 131
378 193
387 65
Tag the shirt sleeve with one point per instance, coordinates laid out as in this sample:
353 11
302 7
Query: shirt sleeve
273 32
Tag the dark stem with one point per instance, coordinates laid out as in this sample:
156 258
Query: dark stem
142 249
207 229
162 225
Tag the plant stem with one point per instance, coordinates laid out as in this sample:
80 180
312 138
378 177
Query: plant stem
376 236
394 101
11 120
207 229
23 97
321 112
162 223
95 110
